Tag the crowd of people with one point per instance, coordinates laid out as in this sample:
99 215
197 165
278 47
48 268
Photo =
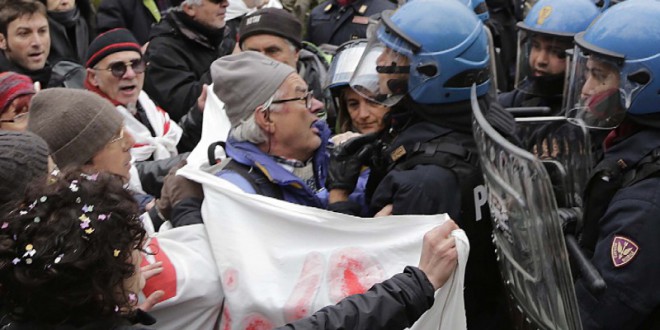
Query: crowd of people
359 107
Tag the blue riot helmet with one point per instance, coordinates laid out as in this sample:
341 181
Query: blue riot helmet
543 39
431 50
616 66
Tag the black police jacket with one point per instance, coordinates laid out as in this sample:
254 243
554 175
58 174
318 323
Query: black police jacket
624 247
329 23
180 54
454 187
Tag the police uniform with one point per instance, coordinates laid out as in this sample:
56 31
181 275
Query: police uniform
440 184
330 23
624 242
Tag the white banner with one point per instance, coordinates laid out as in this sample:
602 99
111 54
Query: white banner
193 294
280 262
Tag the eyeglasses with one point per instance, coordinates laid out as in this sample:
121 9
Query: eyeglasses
19 118
118 69
308 97
217 2
118 138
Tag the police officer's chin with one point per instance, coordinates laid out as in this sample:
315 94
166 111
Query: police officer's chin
544 85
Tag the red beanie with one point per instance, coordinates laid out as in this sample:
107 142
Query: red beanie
13 85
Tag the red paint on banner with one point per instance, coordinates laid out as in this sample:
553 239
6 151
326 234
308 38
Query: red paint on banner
256 321
352 271
300 301
225 323
230 279
166 280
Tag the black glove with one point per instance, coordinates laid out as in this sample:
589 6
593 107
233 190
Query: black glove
346 161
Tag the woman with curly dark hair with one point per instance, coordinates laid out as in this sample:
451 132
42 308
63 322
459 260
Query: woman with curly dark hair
69 257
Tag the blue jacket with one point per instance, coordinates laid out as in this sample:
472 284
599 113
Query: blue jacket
294 190
632 273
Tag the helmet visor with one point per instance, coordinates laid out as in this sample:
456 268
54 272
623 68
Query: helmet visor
344 63
383 72
541 65
596 94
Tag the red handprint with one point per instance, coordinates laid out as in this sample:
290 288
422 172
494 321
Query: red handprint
301 299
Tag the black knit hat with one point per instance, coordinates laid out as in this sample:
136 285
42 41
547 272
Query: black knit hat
113 41
273 21
23 159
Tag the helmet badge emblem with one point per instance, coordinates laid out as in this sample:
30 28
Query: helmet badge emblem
544 14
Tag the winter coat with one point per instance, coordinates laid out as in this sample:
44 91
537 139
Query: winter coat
293 189
81 23
179 59
625 248
132 15
329 23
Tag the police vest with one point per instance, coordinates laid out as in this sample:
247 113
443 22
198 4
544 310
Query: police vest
454 152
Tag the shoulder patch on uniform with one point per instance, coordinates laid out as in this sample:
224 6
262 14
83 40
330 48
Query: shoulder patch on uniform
623 251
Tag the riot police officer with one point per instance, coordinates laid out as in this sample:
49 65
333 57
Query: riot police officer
422 61
615 83
543 38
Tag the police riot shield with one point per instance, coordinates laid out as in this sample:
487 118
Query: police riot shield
564 148
527 231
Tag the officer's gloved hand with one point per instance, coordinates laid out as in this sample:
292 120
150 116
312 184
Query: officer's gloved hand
346 161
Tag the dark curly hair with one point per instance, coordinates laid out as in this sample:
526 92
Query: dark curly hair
65 255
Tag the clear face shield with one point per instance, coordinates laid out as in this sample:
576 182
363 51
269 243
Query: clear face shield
382 75
541 63
596 94
341 70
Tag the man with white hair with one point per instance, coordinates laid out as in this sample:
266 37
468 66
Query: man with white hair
277 144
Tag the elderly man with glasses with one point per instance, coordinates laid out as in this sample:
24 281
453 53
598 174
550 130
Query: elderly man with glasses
277 146
115 71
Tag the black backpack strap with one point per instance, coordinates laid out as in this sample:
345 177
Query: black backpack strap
647 167
259 182
211 152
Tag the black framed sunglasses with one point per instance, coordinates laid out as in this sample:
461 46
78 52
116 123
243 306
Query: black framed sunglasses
308 97
118 69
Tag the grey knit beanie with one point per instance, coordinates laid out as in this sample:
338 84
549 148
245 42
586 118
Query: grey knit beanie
75 123
245 81
23 160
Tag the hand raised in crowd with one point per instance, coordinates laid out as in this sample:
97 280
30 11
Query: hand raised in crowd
147 272
439 256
